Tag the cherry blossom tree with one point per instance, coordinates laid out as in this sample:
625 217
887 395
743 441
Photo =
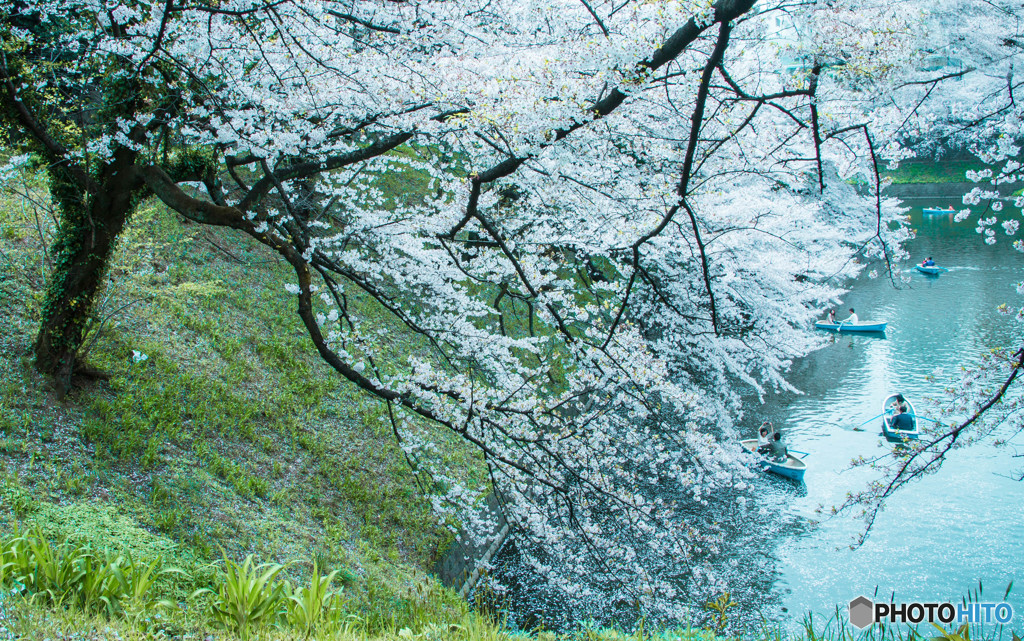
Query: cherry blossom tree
599 219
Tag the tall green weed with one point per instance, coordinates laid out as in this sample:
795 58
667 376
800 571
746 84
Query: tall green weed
317 607
248 597
76 575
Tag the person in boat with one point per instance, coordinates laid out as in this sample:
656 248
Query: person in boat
778 449
832 315
764 438
902 420
928 262
852 320
899 404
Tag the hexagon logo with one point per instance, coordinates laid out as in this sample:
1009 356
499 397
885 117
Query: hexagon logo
862 612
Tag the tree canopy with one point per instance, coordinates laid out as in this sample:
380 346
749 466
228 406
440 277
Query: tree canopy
602 218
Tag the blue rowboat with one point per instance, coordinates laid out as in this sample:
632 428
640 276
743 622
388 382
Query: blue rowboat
935 210
793 468
850 327
931 270
895 435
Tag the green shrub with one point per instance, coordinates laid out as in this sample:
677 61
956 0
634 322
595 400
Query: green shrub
73 574
248 596
317 606
21 502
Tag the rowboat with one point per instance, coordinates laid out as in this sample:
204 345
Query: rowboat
793 468
931 270
895 435
936 210
850 327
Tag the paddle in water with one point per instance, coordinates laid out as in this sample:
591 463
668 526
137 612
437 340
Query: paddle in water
858 428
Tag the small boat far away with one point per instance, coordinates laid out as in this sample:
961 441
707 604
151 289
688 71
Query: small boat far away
865 326
897 435
937 210
931 270
793 468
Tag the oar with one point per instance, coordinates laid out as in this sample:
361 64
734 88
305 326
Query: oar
798 452
857 429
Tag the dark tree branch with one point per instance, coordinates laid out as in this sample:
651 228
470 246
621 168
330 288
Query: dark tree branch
596 17
364 23
159 36
311 168
815 130
56 153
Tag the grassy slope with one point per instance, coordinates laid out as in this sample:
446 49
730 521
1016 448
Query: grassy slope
928 171
231 435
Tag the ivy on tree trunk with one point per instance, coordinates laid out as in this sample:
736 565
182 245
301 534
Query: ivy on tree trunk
86 237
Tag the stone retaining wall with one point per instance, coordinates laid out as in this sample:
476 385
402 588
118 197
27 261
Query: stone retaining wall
459 568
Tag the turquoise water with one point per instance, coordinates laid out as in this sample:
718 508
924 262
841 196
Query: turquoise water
940 537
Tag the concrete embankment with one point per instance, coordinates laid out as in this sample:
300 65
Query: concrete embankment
461 566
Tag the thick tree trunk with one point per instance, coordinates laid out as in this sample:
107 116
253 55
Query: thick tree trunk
89 227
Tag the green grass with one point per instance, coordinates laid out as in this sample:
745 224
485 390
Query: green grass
64 587
251 603
946 171
231 436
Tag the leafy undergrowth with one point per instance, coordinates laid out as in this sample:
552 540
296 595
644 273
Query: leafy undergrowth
73 590
207 425
27 621
22 619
